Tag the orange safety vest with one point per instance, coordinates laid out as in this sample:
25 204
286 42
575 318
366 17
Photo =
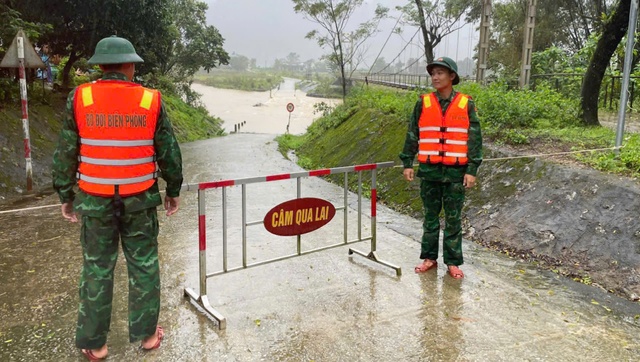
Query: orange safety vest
443 139
116 123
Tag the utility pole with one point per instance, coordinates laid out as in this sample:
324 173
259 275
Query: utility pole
483 46
628 59
527 46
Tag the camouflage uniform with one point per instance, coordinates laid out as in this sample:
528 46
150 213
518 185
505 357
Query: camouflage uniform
441 186
105 221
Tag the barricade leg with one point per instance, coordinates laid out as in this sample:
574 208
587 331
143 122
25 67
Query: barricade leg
372 255
202 300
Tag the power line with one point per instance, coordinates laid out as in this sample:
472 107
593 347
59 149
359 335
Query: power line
384 45
400 53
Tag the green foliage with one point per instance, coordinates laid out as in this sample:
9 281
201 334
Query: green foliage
549 61
11 21
325 87
505 113
332 120
171 36
76 80
322 108
9 90
239 63
288 142
627 162
163 83
388 102
190 124
190 43
249 81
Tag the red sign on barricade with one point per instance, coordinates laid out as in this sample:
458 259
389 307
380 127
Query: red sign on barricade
299 216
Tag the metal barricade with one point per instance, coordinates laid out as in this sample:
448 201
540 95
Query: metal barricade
202 299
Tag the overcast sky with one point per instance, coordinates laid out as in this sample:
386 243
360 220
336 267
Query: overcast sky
270 29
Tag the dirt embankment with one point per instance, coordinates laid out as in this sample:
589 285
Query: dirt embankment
579 222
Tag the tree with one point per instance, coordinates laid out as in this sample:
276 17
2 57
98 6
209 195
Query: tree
436 19
171 36
564 24
346 45
582 18
379 65
194 44
614 29
508 33
11 21
239 63
293 59
76 26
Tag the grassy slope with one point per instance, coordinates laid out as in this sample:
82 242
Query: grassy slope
372 126
367 136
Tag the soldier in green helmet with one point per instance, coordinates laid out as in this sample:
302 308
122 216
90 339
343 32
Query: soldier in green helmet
116 139
444 131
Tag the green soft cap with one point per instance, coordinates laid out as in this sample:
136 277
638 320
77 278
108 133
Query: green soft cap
447 63
115 50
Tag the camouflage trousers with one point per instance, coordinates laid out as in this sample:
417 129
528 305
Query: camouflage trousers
437 196
138 233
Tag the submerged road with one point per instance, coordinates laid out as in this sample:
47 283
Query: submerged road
326 306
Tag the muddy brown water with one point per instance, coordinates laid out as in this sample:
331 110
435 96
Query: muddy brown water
326 306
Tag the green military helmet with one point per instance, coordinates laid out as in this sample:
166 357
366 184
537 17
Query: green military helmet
115 50
447 63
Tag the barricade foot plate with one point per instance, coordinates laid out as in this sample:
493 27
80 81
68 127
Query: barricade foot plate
374 257
203 302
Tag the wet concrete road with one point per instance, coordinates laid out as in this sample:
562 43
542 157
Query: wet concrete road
326 306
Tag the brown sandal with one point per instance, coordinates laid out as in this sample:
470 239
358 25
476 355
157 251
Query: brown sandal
455 272
425 267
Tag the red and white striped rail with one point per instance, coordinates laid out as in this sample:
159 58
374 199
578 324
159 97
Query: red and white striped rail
285 176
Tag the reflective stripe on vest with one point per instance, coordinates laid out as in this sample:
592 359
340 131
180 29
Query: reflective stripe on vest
447 142
444 129
441 153
443 138
91 142
111 162
116 122
117 181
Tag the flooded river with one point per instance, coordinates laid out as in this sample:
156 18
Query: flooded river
325 306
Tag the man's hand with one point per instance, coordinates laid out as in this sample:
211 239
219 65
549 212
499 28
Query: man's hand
171 204
67 212
469 181
408 174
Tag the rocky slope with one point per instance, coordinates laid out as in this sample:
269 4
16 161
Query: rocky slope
578 222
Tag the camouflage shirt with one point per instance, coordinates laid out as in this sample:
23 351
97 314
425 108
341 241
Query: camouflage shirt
65 166
440 172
